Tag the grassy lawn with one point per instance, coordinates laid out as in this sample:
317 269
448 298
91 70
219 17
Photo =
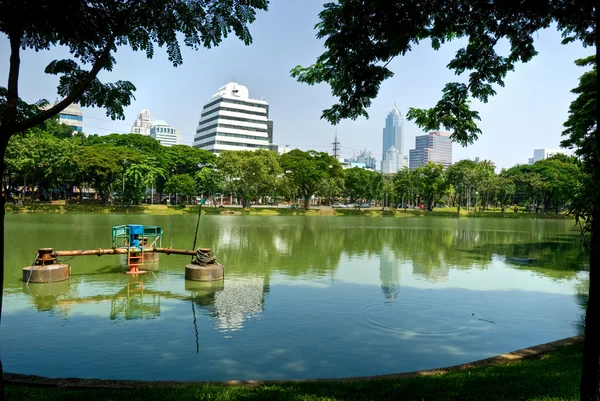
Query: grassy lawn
555 376
274 211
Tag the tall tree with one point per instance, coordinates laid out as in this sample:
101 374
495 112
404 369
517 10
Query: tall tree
247 173
461 176
306 170
92 31
362 37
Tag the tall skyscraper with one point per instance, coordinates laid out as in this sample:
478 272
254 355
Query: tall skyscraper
142 123
231 120
435 147
393 136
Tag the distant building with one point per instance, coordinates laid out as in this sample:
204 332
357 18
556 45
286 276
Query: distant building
142 123
283 149
393 136
392 161
72 115
367 159
542 154
231 120
164 133
435 147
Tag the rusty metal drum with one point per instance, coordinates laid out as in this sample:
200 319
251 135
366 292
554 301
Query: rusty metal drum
46 274
210 272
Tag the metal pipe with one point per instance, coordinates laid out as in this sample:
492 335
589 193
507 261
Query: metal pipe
124 251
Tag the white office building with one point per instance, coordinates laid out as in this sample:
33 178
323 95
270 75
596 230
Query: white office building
542 154
142 123
231 120
72 115
392 161
164 133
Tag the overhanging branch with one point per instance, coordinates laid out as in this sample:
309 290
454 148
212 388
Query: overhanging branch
57 108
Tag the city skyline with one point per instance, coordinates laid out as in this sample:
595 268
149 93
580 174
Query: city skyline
527 112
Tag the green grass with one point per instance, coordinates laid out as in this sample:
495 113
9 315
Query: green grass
182 209
555 376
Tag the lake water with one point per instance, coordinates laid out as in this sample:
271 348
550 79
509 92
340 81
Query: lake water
303 297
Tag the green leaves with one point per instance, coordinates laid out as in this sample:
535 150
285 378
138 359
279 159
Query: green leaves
93 29
307 170
362 36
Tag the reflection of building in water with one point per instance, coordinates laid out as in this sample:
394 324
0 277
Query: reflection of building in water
389 274
434 273
242 298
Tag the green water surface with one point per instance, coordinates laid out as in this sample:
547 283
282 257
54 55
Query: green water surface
303 297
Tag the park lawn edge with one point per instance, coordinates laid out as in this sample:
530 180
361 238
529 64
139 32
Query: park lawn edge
274 211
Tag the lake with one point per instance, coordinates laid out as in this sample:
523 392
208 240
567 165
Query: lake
303 297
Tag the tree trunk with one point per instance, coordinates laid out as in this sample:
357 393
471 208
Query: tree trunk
590 374
306 201
2 202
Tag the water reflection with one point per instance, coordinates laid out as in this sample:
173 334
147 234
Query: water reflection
302 297
389 274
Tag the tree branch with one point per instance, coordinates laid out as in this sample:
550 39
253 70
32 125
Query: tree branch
57 108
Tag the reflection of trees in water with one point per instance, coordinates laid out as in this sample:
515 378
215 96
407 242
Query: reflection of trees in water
313 248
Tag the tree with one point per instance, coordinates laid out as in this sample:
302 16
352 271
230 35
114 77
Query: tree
248 173
306 170
182 184
101 165
433 183
362 36
183 159
362 184
407 185
209 180
92 31
461 176
330 188
504 188
140 175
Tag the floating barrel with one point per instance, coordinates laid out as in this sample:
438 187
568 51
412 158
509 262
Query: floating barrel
211 272
46 274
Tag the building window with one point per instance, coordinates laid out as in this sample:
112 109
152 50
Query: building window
255 113
227 134
246 120
251 104
200 130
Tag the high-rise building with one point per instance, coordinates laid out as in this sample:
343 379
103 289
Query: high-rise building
164 133
392 161
142 123
231 120
541 154
72 115
435 147
393 136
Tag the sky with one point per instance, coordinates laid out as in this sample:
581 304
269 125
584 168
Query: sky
526 114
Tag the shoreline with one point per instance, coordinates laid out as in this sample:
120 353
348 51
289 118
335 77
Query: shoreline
269 211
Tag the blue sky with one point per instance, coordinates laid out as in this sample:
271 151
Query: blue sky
528 113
